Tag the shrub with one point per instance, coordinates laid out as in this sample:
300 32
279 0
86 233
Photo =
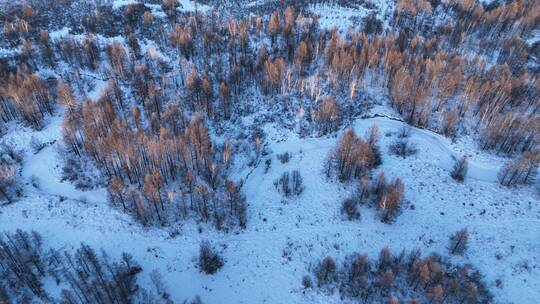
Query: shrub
306 282
376 156
267 165
326 272
297 183
37 145
284 157
350 210
290 184
402 147
404 132
282 184
460 169
209 260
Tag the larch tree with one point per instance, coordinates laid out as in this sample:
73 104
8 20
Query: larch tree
328 115
459 242
274 25
117 190
225 98
65 95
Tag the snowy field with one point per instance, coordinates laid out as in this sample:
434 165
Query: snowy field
283 237
265 262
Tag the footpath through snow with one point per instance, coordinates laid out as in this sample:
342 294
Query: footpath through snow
441 148
45 166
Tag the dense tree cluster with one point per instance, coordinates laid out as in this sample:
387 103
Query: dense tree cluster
400 278
26 264
146 99
522 170
158 175
170 80
27 96
354 158
429 83
10 162
328 115
389 196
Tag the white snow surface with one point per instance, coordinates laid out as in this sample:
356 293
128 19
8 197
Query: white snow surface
337 16
265 262
193 6
349 18
185 5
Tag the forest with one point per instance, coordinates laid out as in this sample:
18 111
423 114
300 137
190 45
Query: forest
167 107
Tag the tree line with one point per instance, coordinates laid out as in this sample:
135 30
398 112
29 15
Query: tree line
85 276
148 130
405 277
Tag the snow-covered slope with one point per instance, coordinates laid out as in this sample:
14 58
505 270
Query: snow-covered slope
265 263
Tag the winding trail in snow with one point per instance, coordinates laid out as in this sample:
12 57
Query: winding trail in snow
435 143
254 256
44 168
44 165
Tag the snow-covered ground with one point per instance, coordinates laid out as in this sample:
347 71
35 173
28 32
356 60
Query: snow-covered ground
185 5
348 18
265 262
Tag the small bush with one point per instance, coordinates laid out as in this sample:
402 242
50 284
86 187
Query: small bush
402 147
282 184
460 169
37 145
290 184
405 132
284 158
326 272
267 165
306 282
209 260
81 172
372 24
297 183
350 210
376 156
